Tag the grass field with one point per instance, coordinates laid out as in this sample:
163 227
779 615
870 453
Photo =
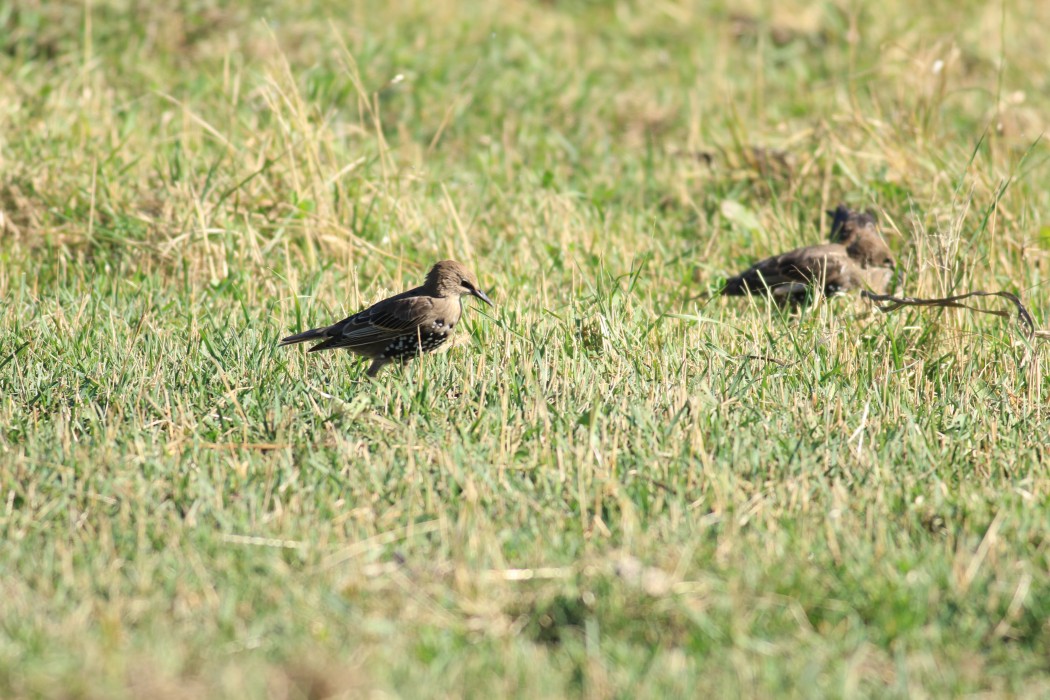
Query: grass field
610 487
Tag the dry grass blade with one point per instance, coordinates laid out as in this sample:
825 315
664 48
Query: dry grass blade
888 302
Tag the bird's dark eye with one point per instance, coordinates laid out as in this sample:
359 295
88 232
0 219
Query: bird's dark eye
467 284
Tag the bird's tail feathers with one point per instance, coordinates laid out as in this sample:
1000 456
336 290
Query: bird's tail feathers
739 286
306 336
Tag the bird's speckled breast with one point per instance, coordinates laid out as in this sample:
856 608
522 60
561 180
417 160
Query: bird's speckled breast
425 339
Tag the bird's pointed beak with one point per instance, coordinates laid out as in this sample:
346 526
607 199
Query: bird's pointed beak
483 296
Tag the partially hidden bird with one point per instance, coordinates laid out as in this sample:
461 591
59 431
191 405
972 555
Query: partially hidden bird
402 326
856 258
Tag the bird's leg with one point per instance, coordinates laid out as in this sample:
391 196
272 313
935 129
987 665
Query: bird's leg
377 364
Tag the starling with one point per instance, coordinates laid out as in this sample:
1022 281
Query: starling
855 258
403 326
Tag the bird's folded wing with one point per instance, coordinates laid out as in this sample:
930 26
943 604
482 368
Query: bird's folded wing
386 320
804 266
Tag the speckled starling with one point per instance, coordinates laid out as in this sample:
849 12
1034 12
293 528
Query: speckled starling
857 257
403 326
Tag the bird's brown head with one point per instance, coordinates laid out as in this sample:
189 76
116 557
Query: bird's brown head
847 223
449 278
870 251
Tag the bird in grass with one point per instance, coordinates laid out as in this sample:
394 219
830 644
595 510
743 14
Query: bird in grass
403 326
856 258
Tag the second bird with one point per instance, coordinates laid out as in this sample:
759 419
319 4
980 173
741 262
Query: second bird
857 257
403 326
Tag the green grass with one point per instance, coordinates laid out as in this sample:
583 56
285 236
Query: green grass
604 491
